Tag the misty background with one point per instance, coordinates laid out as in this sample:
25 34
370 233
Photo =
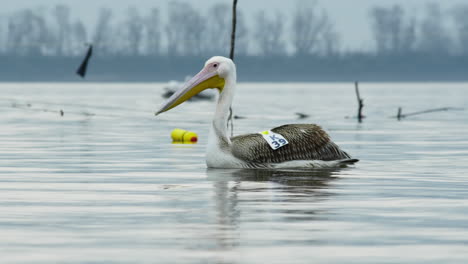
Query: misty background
304 41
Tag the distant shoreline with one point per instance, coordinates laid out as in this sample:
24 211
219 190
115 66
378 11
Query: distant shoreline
363 68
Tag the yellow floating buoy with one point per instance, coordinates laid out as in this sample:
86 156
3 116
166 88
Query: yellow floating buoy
183 136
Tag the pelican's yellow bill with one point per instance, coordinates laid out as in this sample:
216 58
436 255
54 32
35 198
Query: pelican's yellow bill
197 84
213 82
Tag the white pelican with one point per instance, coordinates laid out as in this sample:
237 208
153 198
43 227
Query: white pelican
308 145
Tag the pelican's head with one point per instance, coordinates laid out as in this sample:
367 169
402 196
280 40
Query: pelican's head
214 75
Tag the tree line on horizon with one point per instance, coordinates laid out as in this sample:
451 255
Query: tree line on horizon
182 30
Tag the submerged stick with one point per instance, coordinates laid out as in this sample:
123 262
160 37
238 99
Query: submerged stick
360 102
399 113
442 109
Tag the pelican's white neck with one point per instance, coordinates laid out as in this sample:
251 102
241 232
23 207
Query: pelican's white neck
223 106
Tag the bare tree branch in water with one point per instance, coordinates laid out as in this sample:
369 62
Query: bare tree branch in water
400 114
360 101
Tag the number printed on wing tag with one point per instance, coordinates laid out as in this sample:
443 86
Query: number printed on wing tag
275 140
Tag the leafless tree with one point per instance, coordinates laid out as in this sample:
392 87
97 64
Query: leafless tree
79 37
103 34
62 19
27 33
2 35
185 29
218 29
153 32
242 35
269 33
312 30
460 19
394 33
409 36
434 34
195 24
330 40
134 27
173 29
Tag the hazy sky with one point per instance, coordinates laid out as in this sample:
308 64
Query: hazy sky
351 16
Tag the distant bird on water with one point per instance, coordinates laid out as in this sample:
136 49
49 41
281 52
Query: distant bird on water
288 146
84 65
302 115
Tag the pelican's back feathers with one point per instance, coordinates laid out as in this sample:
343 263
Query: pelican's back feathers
306 142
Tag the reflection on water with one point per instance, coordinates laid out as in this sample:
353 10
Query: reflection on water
298 185
112 188
300 181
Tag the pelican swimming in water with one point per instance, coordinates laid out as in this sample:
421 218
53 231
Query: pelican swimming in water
308 146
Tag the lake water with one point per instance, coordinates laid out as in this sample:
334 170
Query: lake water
104 184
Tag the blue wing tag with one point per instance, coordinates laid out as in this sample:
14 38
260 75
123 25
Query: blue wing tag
275 140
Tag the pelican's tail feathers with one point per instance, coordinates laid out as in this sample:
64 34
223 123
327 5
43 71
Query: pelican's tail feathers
348 161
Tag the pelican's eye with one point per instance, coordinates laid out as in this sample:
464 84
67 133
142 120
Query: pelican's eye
215 65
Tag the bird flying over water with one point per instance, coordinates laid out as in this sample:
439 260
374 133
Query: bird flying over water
288 146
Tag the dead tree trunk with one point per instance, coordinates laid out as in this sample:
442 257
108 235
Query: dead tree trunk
233 32
231 53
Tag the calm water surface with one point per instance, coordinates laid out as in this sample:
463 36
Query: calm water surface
104 184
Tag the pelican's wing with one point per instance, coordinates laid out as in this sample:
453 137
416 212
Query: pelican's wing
306 142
